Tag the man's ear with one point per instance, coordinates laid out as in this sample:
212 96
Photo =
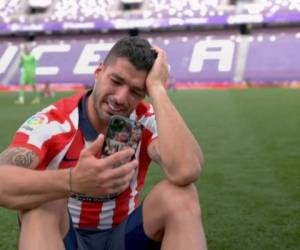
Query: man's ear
98 70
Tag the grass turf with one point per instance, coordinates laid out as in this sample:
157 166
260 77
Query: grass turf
250 186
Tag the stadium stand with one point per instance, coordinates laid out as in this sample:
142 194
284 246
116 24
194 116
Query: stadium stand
221 41
211 12
36 6
9 11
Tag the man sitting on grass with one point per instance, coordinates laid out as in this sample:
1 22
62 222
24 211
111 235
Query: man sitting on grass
71 203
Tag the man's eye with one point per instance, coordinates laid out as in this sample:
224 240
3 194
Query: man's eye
137 93
115 81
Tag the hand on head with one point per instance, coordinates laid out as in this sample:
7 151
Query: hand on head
159 74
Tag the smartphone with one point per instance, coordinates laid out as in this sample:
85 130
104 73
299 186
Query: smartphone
122 133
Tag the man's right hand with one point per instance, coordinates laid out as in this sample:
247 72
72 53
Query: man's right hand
97 177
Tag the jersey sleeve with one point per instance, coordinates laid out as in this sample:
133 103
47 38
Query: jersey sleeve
149 123
43 133
144 113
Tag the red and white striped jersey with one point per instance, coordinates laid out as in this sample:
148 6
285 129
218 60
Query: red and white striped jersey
57 136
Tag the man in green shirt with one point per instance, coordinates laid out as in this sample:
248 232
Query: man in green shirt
28 66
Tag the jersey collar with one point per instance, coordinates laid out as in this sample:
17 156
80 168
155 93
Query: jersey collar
89 133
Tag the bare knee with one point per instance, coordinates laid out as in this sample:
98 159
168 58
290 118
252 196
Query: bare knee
172 201
53 214
180 201
169 205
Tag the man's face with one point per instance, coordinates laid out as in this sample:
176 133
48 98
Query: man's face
26 49
119 87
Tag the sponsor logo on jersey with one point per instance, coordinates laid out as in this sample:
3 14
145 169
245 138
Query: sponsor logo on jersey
35 121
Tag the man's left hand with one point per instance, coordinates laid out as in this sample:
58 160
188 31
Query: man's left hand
159 74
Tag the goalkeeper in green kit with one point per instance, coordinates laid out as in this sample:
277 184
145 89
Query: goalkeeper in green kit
28 66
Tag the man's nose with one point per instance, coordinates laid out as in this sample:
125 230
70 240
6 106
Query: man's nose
122 95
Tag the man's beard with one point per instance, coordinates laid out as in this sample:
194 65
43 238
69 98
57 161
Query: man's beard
101 115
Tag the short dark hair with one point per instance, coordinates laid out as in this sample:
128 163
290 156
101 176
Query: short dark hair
136 50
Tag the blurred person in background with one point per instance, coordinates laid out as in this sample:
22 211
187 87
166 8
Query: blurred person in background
28 65
70 202
171 83
48 91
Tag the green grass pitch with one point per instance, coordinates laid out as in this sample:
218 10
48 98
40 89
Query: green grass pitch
250 185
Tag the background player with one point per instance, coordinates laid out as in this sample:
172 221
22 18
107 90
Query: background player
28 66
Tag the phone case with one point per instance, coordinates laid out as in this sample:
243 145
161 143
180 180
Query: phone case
122 133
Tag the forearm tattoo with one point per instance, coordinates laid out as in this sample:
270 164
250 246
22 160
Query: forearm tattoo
18 156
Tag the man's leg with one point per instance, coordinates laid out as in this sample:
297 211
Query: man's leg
44 227
35 91
21 97
172 214
23 81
